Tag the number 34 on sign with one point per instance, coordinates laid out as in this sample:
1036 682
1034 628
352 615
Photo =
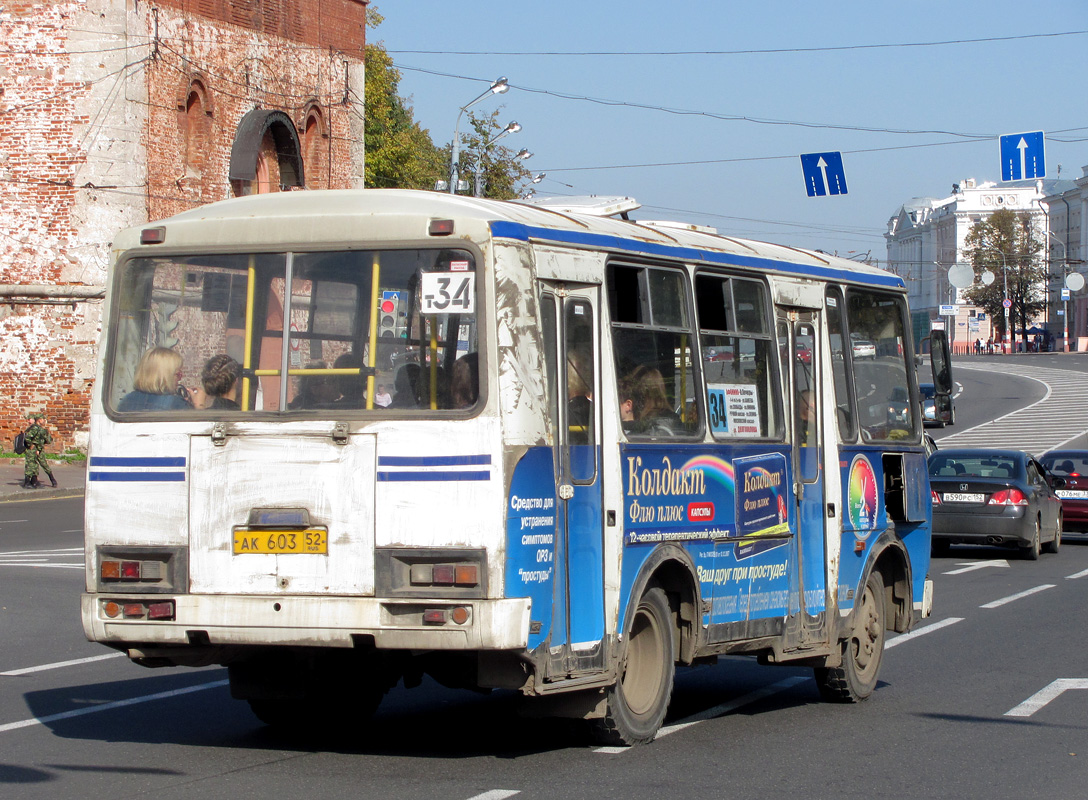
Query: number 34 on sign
448 293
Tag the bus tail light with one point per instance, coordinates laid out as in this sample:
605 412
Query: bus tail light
141 569
1008 497
434 616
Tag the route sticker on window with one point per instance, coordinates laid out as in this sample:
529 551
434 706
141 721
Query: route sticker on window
448 293
733 409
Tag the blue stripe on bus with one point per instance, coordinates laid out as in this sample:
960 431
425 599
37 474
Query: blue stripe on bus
433 461
503 229
138 461
136 476
435 476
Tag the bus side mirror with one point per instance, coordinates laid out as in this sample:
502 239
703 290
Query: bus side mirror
940 359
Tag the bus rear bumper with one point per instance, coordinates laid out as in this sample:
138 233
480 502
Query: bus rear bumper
309 622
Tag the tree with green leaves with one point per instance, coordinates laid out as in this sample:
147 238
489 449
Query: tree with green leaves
498 168
399 153
1007 245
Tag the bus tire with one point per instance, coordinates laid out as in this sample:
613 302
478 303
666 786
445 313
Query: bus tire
862 651
636 703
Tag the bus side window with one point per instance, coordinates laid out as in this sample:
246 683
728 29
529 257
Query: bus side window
844 410
737 356
655 351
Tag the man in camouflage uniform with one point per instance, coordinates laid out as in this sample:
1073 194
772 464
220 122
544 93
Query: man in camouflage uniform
37 437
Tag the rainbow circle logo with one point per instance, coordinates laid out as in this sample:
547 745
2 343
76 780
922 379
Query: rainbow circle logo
862 497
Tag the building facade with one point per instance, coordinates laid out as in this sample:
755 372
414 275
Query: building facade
926 238
117 112
1067 242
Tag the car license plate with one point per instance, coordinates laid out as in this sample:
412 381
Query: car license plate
963 497
281 542
1072 494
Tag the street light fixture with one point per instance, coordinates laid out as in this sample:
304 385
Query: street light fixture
500 86
512 127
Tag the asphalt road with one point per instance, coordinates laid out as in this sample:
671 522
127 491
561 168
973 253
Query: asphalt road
987 699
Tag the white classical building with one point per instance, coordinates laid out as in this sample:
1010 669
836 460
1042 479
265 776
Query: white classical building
926 237
1068 248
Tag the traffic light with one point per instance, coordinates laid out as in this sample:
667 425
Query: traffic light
387 315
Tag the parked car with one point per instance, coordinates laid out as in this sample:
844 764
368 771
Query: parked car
863 348
995 497
929 411
1072 467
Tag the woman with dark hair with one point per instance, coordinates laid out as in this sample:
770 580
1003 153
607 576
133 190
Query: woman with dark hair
220 381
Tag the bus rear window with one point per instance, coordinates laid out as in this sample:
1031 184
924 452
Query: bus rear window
356 332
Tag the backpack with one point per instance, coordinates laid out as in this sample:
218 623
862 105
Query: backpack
20 443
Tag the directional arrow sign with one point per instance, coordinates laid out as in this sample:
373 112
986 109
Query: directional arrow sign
1022 156
824 174
973 565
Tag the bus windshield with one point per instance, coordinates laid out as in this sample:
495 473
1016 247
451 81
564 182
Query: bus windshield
366 331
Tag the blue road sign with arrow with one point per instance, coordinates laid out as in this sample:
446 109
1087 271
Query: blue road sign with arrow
1022 156
824 174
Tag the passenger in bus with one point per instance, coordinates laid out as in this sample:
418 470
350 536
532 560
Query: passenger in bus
351 389
315 391
382 397
644 404
441 398
404 386
465 386
806 408
155 385
219 384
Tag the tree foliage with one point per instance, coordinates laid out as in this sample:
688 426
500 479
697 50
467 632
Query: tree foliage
399 153
500 169
1008 245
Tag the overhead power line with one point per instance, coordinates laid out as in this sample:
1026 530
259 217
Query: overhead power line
762 51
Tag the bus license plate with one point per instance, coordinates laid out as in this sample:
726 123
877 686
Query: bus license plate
961 497
272 542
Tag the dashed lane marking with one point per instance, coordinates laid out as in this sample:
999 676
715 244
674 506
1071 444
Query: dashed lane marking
1017 596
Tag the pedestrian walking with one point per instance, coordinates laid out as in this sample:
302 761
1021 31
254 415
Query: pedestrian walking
37 437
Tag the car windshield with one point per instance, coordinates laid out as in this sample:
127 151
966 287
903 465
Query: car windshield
926 390
972 466
1072 464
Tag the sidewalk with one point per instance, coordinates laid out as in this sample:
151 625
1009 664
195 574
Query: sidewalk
71 479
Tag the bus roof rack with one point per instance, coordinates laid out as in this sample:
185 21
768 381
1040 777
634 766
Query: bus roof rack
677 226
591 205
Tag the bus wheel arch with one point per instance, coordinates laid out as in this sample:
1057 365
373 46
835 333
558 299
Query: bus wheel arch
883 604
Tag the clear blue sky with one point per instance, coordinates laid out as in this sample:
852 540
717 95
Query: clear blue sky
745 178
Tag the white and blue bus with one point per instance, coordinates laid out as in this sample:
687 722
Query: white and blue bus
344 439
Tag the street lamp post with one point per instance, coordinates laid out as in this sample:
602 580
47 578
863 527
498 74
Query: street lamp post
500 86
513 127
1065 271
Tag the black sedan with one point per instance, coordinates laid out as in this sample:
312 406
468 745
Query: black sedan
994 497
1072 467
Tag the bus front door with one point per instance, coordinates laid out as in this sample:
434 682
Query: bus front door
577 636
806 625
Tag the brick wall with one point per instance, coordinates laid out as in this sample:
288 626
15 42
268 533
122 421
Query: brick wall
99 131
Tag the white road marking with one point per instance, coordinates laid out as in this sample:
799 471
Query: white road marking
1045 695
40 558
936 626
132 701
59 664
1075 575
718 710
9 521
1017 596
496 794
973 565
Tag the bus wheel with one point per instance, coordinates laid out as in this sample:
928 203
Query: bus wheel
637 702
862 652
